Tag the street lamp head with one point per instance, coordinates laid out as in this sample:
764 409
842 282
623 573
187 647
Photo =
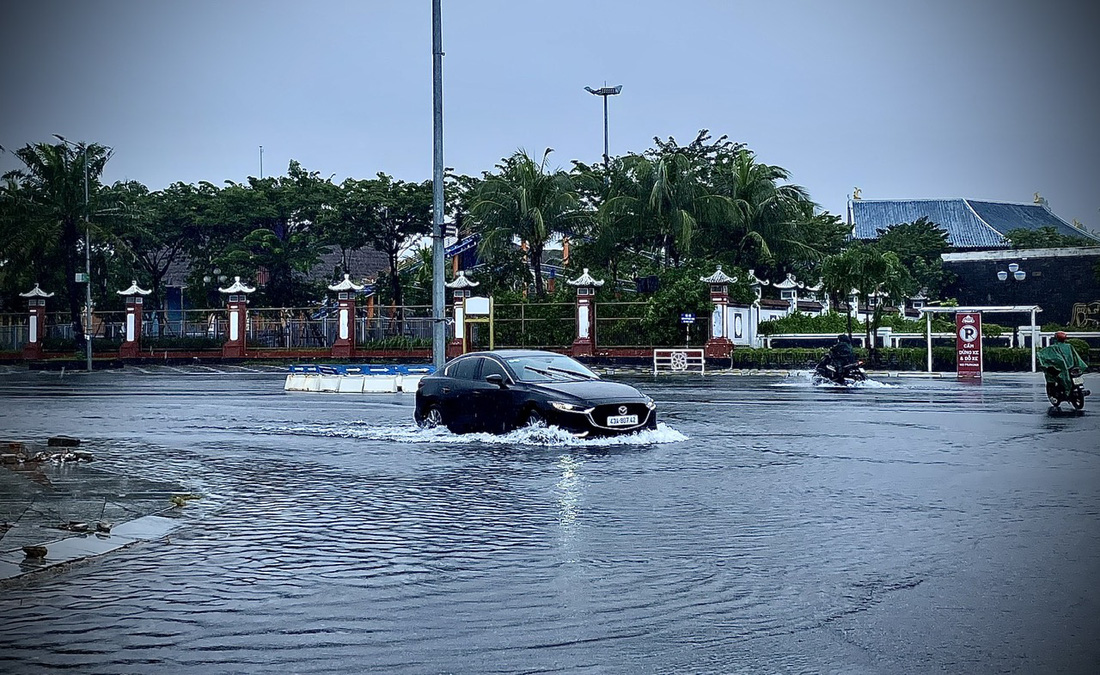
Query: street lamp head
604 91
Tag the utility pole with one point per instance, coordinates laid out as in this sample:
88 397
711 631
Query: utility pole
439 336
261 161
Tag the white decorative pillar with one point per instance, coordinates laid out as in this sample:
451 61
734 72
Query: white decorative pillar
584 344
36 305
237 308
788 290
135 304
757 285
461 287
719 344
344 345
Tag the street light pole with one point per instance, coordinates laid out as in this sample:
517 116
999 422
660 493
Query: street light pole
439 337
88 269
83 146
605 92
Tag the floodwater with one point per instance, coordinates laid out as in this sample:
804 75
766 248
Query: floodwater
768 526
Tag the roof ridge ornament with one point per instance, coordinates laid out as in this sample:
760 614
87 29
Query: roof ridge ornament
36 292
585 279
237 287
789 282
346 285
134 290
755 280
462 281
719 277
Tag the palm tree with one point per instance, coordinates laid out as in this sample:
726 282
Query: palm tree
666 194
49 191
525 201
867 270
766 214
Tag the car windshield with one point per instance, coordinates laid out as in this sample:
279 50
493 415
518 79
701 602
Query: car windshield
549 368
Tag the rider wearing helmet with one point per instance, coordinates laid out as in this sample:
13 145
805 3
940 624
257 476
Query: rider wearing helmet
841 353
1057 359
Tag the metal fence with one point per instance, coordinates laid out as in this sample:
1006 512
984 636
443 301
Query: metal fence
619 324
546 324
198 329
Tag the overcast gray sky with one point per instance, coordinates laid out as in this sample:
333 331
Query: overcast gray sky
990 99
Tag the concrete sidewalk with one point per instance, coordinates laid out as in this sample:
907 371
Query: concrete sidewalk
74 510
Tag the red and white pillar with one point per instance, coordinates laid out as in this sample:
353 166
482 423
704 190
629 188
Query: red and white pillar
36 306
237 309
718 344
461 287
135 304
344 345
584 344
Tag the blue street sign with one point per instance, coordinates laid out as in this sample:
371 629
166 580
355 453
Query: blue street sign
687 318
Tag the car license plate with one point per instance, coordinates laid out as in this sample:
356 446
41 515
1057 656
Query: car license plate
622 420
1078 380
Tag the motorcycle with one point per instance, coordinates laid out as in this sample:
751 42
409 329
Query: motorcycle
1076 395
843 375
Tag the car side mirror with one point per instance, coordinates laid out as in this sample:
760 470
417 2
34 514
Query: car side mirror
497 379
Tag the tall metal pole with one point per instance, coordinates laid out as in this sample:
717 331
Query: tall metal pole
438 326
87 268
261 161
606 160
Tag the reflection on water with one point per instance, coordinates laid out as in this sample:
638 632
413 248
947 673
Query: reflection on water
758 529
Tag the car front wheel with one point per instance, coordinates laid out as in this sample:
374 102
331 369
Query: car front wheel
431 419
534 418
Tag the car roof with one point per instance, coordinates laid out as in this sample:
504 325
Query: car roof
508 353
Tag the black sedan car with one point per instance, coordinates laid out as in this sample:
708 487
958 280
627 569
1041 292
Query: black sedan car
502 390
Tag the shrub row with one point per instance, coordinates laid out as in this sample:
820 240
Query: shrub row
997 359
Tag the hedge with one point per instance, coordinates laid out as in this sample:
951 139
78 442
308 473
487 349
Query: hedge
997 359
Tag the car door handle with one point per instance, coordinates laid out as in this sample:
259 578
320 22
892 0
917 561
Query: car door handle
446 390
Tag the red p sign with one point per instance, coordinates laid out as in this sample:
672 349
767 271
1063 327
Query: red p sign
968 344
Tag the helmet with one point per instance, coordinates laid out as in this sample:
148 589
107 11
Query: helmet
843 338
1060 336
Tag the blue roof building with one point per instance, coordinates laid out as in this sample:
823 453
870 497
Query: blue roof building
969 223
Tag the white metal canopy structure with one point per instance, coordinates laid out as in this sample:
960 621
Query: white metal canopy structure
1001 309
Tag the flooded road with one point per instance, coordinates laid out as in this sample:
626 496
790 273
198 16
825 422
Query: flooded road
768 526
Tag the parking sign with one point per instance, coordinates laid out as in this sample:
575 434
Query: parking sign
968 344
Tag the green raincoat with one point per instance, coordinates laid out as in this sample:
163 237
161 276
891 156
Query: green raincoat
1061 357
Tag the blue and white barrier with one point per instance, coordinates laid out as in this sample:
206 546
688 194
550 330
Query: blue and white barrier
356 379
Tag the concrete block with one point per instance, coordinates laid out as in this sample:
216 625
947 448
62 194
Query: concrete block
351 384
409 383
379 384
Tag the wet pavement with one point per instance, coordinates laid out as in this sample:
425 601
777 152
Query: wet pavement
912 525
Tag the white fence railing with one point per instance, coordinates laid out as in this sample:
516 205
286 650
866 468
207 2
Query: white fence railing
679 361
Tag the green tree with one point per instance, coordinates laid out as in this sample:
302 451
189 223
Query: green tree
153 230
919 246
48 196
526 201
768 215
1045 237
395 213
867 270
274 230
667 193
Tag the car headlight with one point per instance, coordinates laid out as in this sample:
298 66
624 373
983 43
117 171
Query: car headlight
650 403
568 407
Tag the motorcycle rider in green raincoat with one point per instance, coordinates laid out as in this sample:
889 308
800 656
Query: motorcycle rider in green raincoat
1057 359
